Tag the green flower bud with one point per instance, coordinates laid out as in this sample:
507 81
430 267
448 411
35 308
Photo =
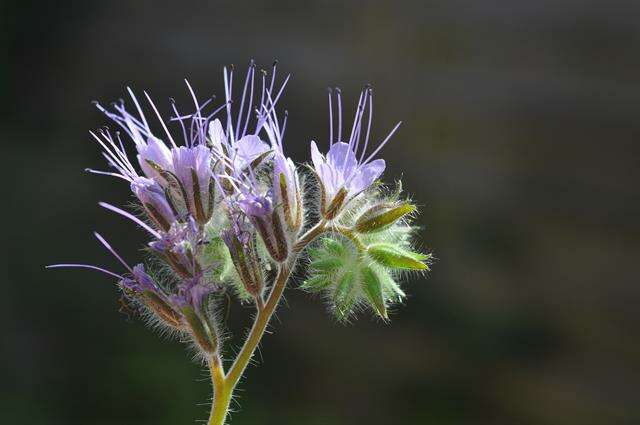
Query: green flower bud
381 216
394 257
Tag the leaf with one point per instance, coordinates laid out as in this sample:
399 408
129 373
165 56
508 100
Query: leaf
391 256
372 287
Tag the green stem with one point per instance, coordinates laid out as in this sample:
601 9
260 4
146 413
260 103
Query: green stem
223 386
352 236
221 393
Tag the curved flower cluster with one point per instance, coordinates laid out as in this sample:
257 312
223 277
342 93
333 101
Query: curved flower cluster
223 204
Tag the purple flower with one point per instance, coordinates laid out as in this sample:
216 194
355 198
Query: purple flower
256 205
184 170
192 166
240 154
139 281
346 166
286 190
156 152
192 293
154 200
240 242
177 247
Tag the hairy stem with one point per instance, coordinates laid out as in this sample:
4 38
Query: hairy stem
223 386
221 392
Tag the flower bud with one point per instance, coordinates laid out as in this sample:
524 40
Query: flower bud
245 260
190 298
381 216
154 201
267 222
394 257
287 192
200 330
162 309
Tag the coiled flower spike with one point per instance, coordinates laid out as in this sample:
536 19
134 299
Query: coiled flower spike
225 211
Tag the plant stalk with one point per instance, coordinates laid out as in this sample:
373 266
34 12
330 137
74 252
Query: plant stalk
223 385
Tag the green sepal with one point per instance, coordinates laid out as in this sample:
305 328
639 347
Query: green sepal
343 296
372 287
336 203
391 256
197 198
334 247
327 265
200 330
380 217
163 310
315 283
258 160
390 286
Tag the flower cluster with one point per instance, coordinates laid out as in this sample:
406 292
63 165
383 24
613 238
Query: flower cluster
225 207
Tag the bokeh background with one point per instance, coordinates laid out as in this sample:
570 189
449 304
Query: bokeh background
520 141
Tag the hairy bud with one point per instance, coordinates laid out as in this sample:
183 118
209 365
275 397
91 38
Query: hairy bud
381 216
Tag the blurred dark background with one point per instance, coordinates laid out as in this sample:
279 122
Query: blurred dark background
520 140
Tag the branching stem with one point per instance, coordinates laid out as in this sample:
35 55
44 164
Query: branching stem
223 385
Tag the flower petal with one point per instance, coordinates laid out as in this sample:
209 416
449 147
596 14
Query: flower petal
316 157
249 148
216 135
365 176
342 158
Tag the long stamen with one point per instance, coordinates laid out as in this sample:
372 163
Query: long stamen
178 118
196 114
106 173
361 110
244 94
135 102
130 217
228 80
355 121
83 266
284 127
247 118
111 250
273 74
330 95
339 95
272 102
166 130
366 139
381 145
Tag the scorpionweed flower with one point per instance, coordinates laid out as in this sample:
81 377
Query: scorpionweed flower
347 170
225 211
